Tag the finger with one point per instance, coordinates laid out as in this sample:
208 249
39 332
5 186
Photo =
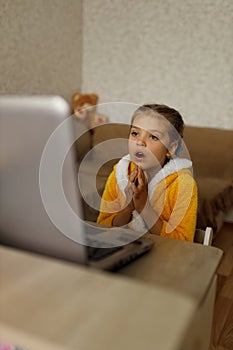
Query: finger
136 194
144 176
133 175
128 188
141 177
134 188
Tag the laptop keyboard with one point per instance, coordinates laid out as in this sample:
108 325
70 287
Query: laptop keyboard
95 254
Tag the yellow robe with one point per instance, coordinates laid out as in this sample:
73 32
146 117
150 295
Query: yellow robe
174 199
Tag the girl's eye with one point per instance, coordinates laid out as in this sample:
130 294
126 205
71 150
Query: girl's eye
155 138
134 133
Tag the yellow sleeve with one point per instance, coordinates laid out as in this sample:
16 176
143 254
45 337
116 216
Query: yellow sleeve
180 210
110 203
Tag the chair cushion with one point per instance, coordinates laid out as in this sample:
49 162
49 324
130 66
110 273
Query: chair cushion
215 198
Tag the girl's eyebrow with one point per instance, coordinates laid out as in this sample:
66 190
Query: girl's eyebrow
160 132
151 131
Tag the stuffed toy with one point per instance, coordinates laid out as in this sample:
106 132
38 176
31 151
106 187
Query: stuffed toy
84 108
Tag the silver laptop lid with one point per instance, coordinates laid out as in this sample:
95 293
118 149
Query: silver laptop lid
26 123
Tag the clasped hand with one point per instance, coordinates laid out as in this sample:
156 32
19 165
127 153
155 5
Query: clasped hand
137 189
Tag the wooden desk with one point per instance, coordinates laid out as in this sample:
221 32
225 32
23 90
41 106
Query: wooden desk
48 304
186 267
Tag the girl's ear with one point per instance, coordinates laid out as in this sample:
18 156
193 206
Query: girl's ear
172 149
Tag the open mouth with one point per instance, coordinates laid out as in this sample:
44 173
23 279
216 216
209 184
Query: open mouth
139 155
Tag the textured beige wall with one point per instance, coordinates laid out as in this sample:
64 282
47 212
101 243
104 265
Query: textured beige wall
41 43
174 52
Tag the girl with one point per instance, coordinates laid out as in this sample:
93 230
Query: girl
151 189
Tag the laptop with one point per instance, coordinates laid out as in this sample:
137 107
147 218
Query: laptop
35 214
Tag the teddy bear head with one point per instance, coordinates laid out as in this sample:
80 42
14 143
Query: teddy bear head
83 105
84 108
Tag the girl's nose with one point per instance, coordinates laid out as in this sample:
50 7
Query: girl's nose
141 141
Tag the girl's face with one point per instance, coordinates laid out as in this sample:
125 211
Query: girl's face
148 141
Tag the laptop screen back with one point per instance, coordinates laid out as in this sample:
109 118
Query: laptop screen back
26 123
